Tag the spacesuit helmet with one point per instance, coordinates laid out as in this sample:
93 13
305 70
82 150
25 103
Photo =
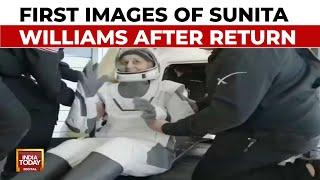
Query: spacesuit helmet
136 64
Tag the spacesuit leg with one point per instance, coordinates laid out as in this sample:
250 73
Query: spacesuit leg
54 168
104 168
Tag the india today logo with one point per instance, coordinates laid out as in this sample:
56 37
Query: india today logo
29 160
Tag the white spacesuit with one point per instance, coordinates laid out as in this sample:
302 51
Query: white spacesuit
125 137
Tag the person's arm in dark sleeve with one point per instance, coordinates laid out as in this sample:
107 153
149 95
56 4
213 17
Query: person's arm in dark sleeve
203 102
68 73
66 95
236 98
11 63
45 69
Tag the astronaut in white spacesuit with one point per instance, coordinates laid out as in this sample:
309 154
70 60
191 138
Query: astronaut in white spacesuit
123 144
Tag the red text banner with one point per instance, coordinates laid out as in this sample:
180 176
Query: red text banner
160 36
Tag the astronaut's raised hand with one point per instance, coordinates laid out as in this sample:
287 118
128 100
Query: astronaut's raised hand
90 81
150 113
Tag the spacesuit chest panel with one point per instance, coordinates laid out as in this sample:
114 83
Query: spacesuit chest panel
123 104
123 120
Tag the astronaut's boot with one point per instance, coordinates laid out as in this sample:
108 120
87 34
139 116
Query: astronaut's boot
95 167
55 167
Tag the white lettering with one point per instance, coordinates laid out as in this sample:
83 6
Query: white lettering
30 36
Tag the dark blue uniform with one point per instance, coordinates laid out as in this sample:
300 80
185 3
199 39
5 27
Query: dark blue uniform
263 108
26 100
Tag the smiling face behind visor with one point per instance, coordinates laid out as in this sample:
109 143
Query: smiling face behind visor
136 65
133 63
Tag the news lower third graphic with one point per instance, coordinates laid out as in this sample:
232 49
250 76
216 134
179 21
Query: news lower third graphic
29 160
192 23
